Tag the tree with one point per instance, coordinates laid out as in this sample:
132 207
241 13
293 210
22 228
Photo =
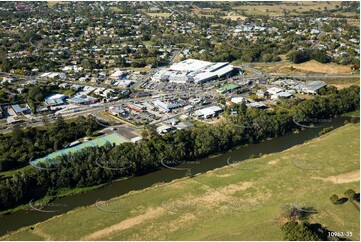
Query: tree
267 57
300 232
299 56
334 198
88 132
350 194
86 64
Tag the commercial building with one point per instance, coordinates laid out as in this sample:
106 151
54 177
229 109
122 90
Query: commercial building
274 90
77 100
257 105
238 100
208 112
192 70
55 100
136 139
283 95
164 129
117 111
136 108
172 121
21 109
167 107
117 74
313 87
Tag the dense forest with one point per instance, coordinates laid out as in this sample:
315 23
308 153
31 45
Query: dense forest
86 168
21 145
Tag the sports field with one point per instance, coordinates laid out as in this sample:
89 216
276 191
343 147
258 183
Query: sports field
112 138
229 203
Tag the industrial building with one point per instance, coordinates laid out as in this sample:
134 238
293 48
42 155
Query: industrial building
192 70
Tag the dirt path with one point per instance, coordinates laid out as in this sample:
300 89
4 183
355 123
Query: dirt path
342 178
125 224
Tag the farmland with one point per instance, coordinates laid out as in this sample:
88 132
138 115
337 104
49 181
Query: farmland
236 202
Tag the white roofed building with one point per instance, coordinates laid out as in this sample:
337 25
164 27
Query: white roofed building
208 112
192 70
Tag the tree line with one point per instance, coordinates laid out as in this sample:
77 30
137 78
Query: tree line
17 148
299 56
97 165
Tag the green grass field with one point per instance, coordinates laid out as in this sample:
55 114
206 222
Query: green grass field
228 203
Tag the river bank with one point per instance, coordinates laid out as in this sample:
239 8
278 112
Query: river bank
24 218
231 202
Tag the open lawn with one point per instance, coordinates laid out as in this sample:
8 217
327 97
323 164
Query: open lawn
229 203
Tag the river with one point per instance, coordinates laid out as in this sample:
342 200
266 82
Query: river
22 218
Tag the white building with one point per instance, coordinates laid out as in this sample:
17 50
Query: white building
313 87
164 129
274 90
238 100
166 106
208 112
192 70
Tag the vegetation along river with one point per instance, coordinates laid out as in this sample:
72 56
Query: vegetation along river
22 218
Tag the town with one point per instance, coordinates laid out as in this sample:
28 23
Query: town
95 94
93 80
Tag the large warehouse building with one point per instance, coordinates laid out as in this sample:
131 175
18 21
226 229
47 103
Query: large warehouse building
192 70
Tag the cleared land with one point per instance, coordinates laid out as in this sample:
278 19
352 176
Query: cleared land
294 8
234 17
309 67
340 83
165 15
227 203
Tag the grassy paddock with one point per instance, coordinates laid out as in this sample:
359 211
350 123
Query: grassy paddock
277 9
226 203
309 67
